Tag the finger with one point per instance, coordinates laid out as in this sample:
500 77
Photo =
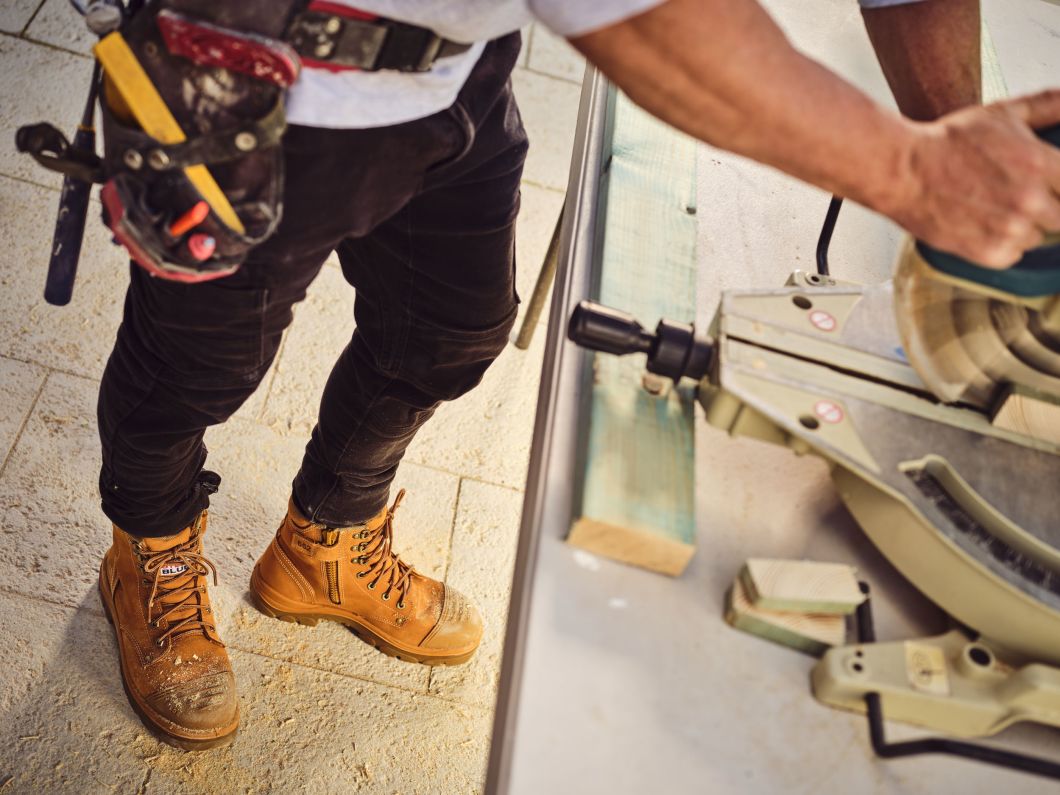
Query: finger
1008 244
1048 215
997 256
1037 110
1052 167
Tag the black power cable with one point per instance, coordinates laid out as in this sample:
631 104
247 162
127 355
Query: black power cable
825 240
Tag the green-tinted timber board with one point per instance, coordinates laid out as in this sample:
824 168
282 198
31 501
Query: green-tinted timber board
638 482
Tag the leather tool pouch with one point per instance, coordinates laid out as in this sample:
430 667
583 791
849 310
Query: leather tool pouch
221 69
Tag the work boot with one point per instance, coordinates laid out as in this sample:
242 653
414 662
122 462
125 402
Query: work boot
174 667
311 572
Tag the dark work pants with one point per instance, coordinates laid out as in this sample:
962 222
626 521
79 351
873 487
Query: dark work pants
422 216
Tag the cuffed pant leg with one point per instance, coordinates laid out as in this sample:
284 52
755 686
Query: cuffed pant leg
185 358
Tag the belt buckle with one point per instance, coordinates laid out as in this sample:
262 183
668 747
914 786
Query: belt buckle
430 53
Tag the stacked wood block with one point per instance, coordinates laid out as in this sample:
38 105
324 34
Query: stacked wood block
798 603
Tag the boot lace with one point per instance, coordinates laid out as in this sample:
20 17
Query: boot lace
381 560
180 595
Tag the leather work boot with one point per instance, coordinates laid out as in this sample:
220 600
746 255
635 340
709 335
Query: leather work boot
174 667
351 575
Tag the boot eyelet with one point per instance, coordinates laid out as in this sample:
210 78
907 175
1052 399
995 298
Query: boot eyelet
401 604
371 586
386 597
362 574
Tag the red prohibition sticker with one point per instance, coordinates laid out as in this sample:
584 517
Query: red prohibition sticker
828 411
823 321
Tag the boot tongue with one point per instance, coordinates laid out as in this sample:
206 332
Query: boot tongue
174 576
168 542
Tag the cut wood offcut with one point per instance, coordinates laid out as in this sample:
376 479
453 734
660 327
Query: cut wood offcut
801 586
810 633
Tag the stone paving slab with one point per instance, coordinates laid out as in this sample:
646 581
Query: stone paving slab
549 109
54 534
483 557
551 55
47 85
19 385
14 14
58 24
67 728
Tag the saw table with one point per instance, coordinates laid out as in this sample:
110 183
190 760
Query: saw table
619 680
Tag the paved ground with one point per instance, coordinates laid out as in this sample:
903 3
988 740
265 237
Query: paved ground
321 711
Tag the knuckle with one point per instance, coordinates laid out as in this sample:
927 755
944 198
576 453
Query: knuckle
1016 227
1030 202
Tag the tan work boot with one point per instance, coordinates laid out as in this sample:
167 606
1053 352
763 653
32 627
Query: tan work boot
351 575
174 667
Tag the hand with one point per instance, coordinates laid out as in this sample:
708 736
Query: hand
982 185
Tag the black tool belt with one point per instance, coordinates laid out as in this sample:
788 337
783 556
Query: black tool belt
332 36
220 70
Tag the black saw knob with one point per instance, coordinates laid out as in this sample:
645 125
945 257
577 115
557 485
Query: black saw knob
674 350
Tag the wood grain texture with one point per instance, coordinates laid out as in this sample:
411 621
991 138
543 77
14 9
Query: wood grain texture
636 502
806 632
801 586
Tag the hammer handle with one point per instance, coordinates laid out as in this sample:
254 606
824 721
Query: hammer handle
69 230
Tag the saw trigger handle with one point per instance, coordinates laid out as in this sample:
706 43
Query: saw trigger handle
674 350
1037 274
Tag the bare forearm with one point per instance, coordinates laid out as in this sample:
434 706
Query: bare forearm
929 52
722 71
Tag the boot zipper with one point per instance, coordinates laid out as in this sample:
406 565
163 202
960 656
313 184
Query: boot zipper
331 569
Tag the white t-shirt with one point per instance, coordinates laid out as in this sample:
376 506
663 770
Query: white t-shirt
355 100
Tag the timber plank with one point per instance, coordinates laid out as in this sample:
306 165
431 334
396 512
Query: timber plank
637 496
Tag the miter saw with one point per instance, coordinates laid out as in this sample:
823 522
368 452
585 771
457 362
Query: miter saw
936 400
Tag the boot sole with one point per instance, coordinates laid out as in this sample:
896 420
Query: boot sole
363 632
150 722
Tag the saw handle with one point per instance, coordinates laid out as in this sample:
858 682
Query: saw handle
675 350
1037 274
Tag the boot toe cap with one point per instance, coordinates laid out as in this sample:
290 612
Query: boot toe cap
459 625
206 704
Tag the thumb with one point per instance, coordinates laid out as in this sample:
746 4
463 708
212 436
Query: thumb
1038 110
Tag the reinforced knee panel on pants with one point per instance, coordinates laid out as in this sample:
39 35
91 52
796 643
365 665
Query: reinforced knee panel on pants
193 102
447 362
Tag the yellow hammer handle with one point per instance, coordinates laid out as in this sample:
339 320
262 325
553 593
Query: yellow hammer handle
149 109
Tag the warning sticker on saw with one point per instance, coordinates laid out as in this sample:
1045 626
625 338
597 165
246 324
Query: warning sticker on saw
828 411
823 321
925 668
